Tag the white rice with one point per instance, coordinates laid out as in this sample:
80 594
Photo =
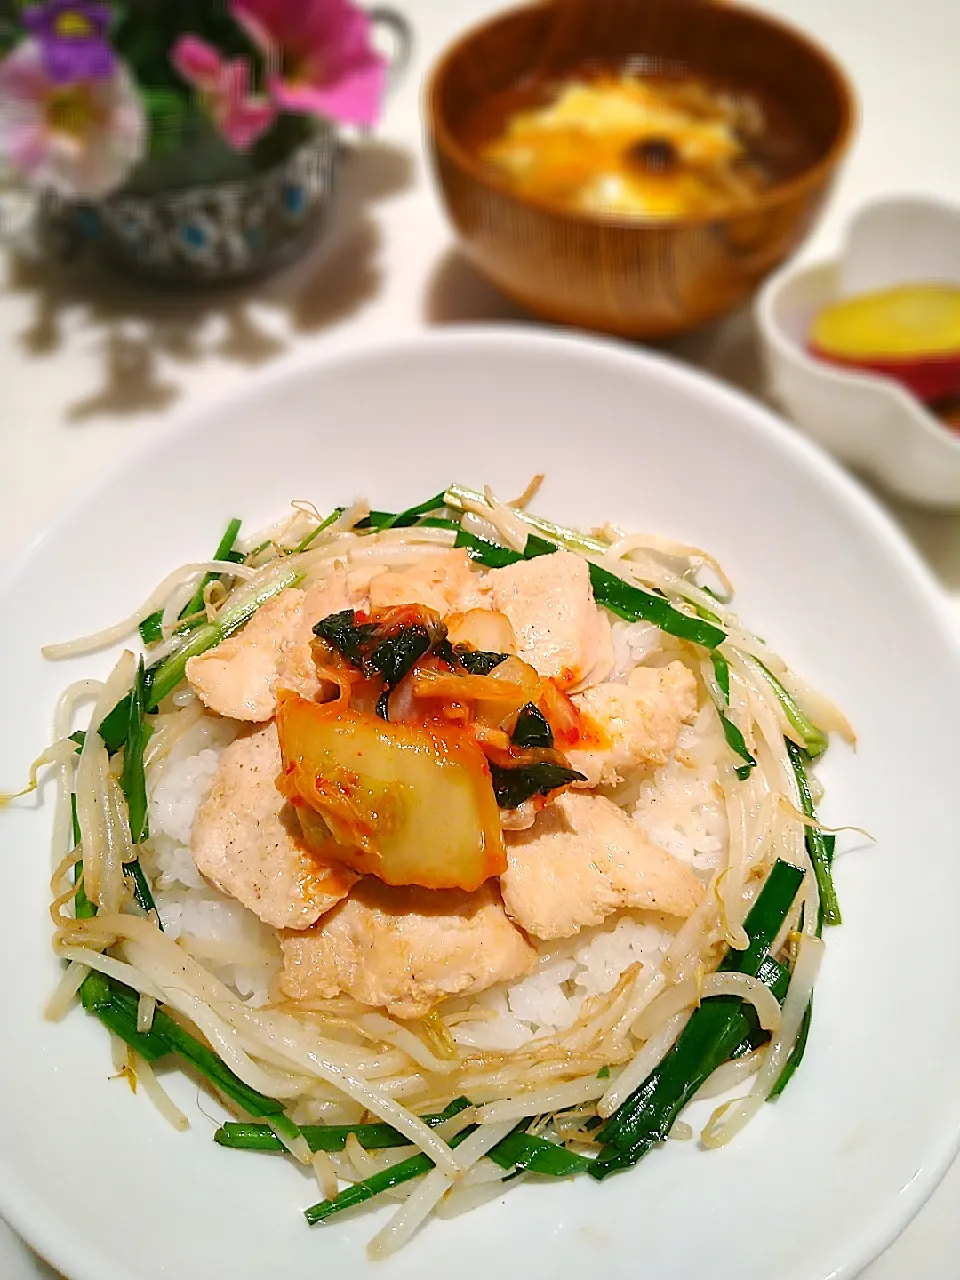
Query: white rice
569 971
173 804
678 807
634 643
238 948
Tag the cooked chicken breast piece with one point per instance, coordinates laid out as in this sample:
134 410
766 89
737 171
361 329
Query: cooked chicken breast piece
406 949
582 860
637 723
560 631
240 676
246 840
446 583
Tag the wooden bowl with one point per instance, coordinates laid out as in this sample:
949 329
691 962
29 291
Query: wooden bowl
612 273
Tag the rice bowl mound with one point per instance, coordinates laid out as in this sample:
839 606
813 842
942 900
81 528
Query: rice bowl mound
678 806
448 846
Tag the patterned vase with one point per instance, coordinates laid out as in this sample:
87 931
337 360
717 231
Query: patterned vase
200 216
222 232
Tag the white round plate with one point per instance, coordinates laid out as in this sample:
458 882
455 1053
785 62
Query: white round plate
824 1178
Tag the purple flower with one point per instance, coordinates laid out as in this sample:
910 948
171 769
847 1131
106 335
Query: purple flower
73 37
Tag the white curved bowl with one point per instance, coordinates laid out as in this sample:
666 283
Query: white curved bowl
825 1177
869 422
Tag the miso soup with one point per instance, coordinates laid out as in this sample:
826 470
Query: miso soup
653 146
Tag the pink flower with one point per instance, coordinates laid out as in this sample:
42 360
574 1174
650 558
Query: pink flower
225 86
81 140
320 58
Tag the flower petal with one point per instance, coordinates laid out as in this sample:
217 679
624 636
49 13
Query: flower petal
23 74
340 31
199 63
238 116
355 97
259 32
25 146
234 80
88 164
24 87
325 45
117 144
246 121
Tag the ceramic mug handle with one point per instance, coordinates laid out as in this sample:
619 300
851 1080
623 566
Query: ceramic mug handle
402 33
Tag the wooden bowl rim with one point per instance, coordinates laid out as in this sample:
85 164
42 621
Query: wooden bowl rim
779 194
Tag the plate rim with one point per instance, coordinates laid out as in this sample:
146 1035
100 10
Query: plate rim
22 1212
514 335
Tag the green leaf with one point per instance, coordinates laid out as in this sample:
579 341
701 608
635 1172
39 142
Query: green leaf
777 977
121 1019
485 552
141 889
796 1055
395 656
10 34
814 739
329 1137
335 514
224 551
116 1005
382 648
83 908
477 662
381 520
518 1150
151 628
133 781
818 844
721 671
532 728
374 520
737 744
636 605
460 499
712 1034
513 786
529 1154
167 111
351 639
94 990
395 1176
536 546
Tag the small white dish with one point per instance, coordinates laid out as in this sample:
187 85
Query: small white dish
822 1180
869 422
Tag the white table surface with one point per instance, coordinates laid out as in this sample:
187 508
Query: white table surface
89 367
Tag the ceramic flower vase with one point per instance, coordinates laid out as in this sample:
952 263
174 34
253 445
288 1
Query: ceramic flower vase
219 232
225 186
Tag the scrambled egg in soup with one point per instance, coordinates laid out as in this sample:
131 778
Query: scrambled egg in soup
655 148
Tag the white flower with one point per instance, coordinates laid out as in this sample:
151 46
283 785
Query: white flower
82 140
